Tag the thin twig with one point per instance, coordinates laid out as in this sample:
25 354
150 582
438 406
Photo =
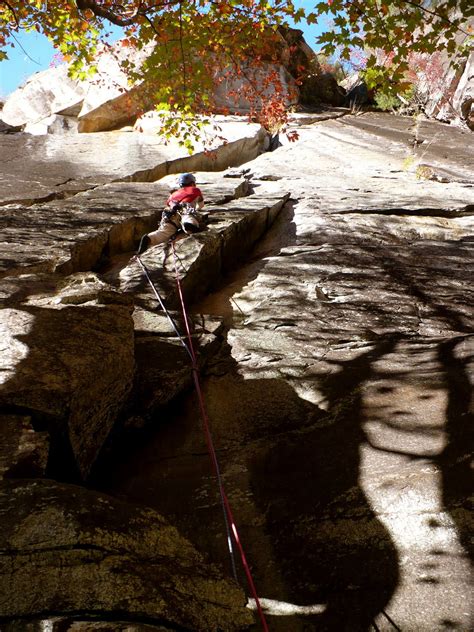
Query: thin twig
13 13
29 56
436 14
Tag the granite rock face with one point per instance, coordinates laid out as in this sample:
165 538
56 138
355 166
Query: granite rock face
110 101
341 407
334 328
43 168
86 356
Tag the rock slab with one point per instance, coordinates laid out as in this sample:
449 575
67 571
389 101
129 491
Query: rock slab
93 555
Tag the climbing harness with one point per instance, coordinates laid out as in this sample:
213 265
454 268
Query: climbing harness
231 528
168 215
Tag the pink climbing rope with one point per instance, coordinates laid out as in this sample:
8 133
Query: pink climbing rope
212 451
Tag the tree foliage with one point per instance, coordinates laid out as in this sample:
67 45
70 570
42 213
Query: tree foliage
390 32
195 44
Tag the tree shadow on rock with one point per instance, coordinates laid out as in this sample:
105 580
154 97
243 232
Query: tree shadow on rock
455 460
331 547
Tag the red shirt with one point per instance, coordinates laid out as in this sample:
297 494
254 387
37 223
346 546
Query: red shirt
186 194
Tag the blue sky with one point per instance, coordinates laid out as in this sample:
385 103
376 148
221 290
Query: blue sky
33 52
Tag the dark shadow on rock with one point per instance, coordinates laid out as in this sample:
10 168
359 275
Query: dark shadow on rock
332 547
419 289
321 542
71 370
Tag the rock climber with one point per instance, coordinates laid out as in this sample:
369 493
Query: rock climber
181 213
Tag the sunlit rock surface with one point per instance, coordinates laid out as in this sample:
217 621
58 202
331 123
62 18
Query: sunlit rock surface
41 168
45 93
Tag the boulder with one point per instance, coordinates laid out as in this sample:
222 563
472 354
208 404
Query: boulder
45 93
322 88
297 62
315 86
295 53
463 99
110 101
106 100
356 90
102 102
66 550
68 363
236 93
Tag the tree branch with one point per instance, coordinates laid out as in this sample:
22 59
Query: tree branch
100 12
26 53
436 14
13 13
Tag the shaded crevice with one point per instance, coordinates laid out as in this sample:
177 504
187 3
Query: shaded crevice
467 211
61 464
118 238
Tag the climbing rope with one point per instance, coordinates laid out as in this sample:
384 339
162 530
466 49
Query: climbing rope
391 621
231 527
162 305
